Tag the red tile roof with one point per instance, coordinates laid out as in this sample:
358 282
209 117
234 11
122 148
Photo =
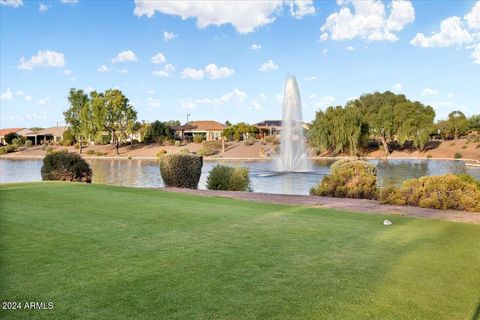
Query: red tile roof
6 131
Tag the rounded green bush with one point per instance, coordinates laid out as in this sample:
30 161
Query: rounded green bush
198 138
64 166
349 179
181 170
459 192
228 178
28 143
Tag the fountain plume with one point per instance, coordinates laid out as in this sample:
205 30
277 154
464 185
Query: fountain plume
293 156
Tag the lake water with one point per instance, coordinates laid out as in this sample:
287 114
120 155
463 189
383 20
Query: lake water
146 173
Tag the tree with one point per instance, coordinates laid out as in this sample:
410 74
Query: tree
158 131
474 122
239 131
457 123
75 116
392 117
9 137
117 114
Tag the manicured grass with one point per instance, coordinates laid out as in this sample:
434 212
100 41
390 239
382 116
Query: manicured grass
103 252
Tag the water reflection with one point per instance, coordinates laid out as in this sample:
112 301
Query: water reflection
146 173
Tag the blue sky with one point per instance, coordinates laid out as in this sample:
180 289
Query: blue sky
228 61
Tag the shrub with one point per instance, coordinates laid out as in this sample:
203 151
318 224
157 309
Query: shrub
249 142
209 148
19 141
2 150
464 147
429 156
272 139
9 137
100 153
439 192
10 148
198 138
391 195
228 178
349 179
64 166
90 152
451 144
178 143
184 151
161 152
181 170
28 143
102 139
458 155
77 145
68 137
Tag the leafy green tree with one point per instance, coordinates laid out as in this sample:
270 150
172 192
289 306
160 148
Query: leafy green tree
474 122
158 131
117 114
239 131
77 123
457 123
9 137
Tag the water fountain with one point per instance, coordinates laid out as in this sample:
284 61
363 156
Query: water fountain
293 156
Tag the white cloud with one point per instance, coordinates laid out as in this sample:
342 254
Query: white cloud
167 36
11 3
122 71
192 73
19 93
350 48
397 87
42 7
244 16
476 54
311 78
102 68
159 58
69 1
167 70
268 66
429 92
7 95
44 59
236 97
28 98
151 91
473 17
256 46
90 89
214 72
125 56
67 72
368 20
451 33
210 71
324 51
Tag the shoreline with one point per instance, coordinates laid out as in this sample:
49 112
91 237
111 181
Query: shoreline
213 159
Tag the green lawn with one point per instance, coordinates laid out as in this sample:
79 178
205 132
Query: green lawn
103 252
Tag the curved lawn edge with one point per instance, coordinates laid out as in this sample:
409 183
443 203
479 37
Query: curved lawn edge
345 204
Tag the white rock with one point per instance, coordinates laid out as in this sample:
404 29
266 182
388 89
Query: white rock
387 222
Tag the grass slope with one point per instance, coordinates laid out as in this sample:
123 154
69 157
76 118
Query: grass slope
104 252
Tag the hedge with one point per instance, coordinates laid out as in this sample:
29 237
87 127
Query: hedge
181 170
64 166
228 178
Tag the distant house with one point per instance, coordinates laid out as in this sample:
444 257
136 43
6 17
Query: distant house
19 131
54 134
212 130
269 127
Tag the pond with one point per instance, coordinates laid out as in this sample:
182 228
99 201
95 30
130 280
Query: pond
146 173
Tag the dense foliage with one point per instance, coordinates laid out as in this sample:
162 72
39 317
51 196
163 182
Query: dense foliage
228 178
66 166
439 192
385 117
159 131
348 179
239 131
181 170
91 115
9 137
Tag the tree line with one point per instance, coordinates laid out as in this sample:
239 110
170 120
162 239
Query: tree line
389 118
